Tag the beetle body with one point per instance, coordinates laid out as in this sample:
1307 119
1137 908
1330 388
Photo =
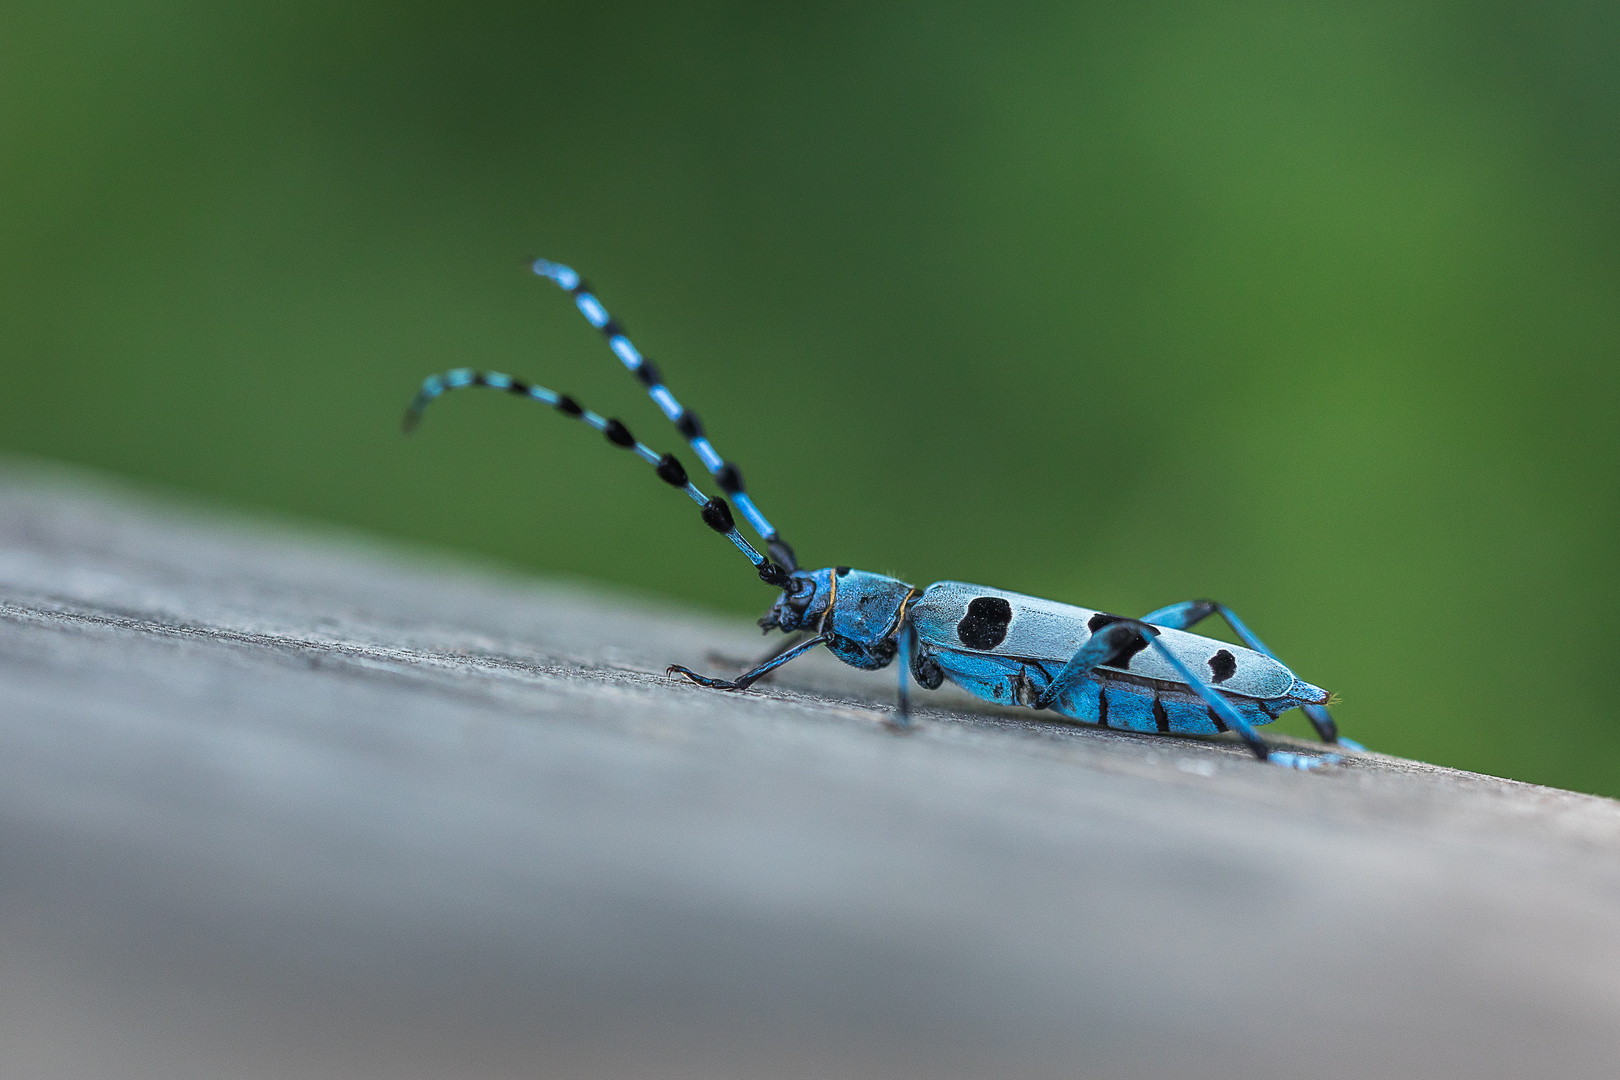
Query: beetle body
1009 648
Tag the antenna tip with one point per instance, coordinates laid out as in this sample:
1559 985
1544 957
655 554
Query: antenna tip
562 275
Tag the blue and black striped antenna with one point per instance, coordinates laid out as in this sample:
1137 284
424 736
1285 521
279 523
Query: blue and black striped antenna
685 420
716 514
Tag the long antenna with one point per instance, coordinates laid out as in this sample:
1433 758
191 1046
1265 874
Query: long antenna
716 514
685 420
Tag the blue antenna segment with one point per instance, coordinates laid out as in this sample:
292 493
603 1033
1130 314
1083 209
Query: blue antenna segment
730 478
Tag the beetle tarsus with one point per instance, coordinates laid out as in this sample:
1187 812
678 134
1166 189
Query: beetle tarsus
704 680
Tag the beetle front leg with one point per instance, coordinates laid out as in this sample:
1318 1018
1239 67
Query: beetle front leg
747 678
789 641
1189 613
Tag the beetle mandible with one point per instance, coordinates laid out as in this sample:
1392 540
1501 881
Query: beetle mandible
1147 674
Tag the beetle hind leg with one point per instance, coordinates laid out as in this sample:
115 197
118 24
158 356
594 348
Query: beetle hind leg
1188 613
1108 641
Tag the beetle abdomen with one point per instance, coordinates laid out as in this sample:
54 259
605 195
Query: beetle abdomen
1128 706
1104 699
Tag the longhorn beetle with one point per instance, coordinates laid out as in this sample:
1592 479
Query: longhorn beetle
1147 674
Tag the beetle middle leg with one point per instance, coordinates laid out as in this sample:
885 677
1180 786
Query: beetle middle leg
1188 613
907 641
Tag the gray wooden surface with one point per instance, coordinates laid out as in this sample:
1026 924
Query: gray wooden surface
288 804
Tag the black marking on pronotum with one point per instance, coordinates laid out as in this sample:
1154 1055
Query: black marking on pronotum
689 425
717 515
985 624
729 478
649 374
1220 725
566 404
618 434
1160 716
1223 665
840 570
671 471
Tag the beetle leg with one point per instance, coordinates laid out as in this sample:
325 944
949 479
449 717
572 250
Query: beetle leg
908 646
1102 647
747 678
788 641
1187 614
1106 643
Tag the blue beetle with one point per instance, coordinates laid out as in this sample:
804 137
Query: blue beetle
1146 675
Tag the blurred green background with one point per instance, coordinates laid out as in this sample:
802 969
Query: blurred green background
1310 307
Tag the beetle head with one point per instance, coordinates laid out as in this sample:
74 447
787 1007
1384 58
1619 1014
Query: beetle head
802 604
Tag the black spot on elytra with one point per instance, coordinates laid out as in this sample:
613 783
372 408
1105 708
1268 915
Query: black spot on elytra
1224 665
985 624
1161 717
840 570
1122 658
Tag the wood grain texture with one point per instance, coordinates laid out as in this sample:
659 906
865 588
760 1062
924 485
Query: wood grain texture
283 803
